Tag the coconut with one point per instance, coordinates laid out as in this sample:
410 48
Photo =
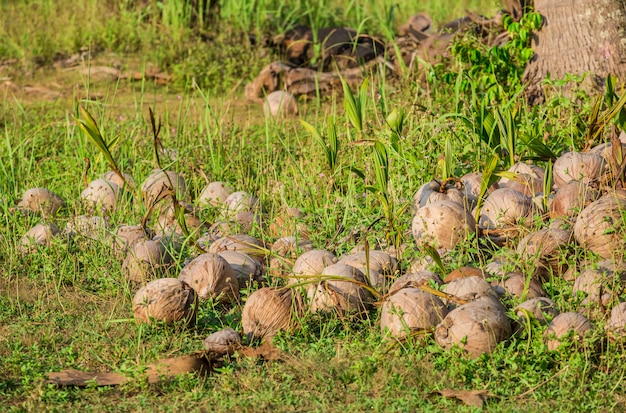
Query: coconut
128 235
541 309
41 200
284 251
289 222
311 263
520 286
242 243
579 166
505 208
434 191
571 198
464 272
527 179
146 259
168 221
469 288
472 183
616 325
415 280
214 194
241 201
225 341
211 276
443 224
477 327
113 177
101 193
239 222
93 227
543 248
599 226
411 310
564 324
598 283
280 104
269 310
40 234
161 183
342 296
379 266
246 268
165 299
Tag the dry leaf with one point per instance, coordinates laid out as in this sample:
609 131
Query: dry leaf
469 397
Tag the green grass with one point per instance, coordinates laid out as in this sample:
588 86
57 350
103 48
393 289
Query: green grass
68 305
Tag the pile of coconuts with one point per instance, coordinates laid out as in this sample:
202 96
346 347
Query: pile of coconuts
530 236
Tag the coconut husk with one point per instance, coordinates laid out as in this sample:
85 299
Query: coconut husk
145 260
39 235
343 292
254 247
269 310
414 280
166 300
161 184
214 194
101 193
410 310
599 226
520 286
571 324
41 201
211 277
541 309
285 251
616 324
247 269
225 341
378 265
442 224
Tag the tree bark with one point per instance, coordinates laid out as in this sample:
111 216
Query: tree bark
578 36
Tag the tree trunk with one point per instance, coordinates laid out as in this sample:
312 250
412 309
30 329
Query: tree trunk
577 36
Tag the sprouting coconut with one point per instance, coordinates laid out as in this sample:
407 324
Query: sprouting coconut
579 166
477 327
166 299
572 324
246 268
146 259
42 201
211 276
600 226
214 194
101 193
285 251
269 310
242 243
41 234
345 297
411 310
378 265
442 224
160 184
280 104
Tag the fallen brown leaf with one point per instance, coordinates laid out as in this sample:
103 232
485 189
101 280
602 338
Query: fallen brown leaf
474 398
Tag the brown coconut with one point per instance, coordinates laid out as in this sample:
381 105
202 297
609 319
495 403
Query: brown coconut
464 272
344 297
252 246
472 183
505 208
41 201
469 288
571 198
599 283
280 104
241 201
146 259
166 300
211 277
415 280
311 264
600 226
269 310
101 193
225 341
541 309
527 179
246 268
128 235
39 235
289 222
214 194
616 325
442 224
378 265
93 227
520 286
160 184
411 310
168 221
543 248
112 176
477 327
579 166
434 191
563 325
285 251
